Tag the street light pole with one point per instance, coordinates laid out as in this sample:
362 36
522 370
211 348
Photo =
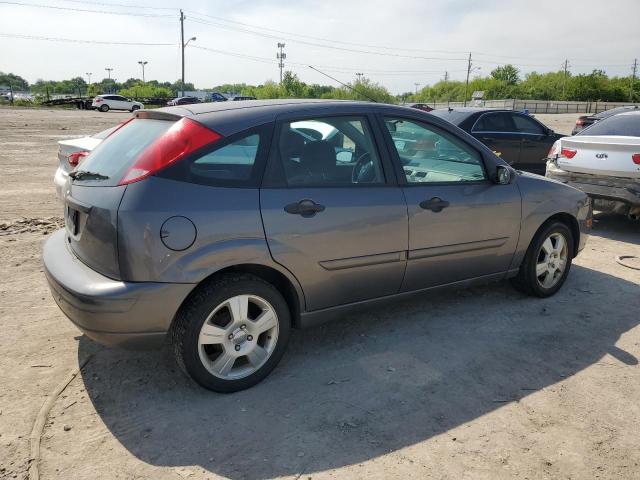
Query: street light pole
89 77
109 70
184 45
142 64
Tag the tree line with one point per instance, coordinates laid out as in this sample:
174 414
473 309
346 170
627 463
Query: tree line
502 82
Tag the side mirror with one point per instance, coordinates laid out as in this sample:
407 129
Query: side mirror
503 175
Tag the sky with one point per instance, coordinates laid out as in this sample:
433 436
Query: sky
396 44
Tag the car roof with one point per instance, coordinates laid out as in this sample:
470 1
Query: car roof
228 118
633 112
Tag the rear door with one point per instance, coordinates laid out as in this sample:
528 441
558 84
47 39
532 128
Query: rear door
332 213
535 143
461 225
498 132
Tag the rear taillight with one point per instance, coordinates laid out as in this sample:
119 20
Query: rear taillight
184 137
568 152
98 100
636 158
75 157
579 122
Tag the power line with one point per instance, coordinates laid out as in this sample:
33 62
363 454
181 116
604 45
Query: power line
54 7
124 5
74 40
332 47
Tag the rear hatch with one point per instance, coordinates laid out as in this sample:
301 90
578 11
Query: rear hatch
91 208
614 156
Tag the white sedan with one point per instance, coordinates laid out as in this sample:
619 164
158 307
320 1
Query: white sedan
603 160
104 103
71 152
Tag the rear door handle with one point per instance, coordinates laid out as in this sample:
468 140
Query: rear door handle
435 204
305 208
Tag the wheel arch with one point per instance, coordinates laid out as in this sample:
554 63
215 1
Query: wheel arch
289 288
568 220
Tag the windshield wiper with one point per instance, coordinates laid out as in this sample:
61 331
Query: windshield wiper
86 175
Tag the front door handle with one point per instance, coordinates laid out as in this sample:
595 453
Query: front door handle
435 204
305 208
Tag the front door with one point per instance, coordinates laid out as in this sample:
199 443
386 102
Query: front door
332 215
535 143
461 225
498 132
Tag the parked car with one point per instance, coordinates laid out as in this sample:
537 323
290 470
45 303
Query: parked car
420 106
216 97
238 98
586 120
104 103
521 140
183 101
603 161
71 153
221 227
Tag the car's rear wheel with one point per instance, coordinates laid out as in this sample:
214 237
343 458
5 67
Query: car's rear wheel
104 107
135 107
547 262
231 332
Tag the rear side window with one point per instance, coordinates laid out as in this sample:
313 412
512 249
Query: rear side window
235 161
622 125
116 154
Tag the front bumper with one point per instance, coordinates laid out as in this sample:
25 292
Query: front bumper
111 312
602 187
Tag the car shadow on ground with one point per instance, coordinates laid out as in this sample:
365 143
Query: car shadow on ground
373 383
616 227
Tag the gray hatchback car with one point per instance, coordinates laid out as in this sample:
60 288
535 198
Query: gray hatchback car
221 226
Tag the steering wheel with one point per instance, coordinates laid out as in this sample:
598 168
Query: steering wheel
360 168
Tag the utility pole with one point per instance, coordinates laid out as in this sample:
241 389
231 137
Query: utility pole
634 71
446 77
565 68
416 85
466 86
359 75
182 48
89 77
281 56
109 70
142 64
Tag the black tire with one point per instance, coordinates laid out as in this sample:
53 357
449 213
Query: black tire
527 281
194 312
134 108
104 107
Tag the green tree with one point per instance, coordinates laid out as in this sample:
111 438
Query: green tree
15 81
507 74
145 90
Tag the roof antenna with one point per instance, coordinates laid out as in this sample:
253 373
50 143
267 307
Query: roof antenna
344 84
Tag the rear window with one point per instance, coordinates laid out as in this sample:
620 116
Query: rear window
117 153
621 125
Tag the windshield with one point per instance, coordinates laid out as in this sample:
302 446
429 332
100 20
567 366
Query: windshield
117 153
618 125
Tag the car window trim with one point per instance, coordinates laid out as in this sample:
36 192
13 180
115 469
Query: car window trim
274 153
402 181
543 128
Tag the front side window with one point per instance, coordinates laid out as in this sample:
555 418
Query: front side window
333 151
431 155
525 124
495 122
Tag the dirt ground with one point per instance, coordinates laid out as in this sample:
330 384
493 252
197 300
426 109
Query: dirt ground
474 384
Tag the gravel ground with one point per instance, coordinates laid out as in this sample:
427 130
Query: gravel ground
482 383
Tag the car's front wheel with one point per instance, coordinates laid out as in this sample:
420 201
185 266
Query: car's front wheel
547 262
104 107
231 332
135 107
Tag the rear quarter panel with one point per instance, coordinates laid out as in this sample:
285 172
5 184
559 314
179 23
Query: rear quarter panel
543 198
227 220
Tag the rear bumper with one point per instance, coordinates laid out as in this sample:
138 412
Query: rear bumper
111 312
599 186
